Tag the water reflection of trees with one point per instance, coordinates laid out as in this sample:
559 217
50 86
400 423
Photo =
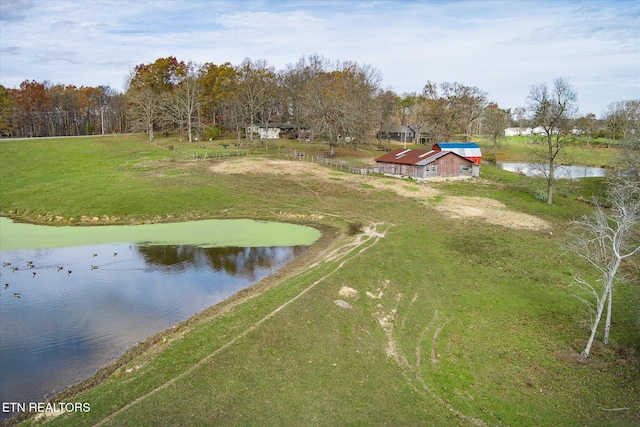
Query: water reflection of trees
232 260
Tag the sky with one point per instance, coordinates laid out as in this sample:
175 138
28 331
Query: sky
502 47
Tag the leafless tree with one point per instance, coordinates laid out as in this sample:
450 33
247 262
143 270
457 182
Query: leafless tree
612 235
338 103
186 99
450 109
604 241
293 80
254 87
145 107
520 117
621 117
466 104
553 110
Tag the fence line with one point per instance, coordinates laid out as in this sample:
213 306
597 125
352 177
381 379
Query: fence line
340 165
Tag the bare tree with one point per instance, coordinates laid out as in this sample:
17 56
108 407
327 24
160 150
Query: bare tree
254 87
553 110
466 104
612 235
339 103
519 117
436 114
621 117
186 99
604 241
450 109
293 81
144 109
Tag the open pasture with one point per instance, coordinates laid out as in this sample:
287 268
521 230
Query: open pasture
459 315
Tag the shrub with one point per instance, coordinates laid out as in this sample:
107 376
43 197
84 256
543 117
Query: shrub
355 228
213 132
541 195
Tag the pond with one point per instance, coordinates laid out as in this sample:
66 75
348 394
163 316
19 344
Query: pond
565 171
66 311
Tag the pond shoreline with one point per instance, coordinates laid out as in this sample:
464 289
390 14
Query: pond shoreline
151 345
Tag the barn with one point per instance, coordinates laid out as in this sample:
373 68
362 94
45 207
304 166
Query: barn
426 164
470 150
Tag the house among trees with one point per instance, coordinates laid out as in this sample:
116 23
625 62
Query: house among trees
278 130
403 133
270 131
469 150
426 164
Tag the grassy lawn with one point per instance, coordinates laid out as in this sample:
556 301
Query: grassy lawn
456 321
527 149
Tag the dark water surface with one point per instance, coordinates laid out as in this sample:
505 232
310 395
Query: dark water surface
64 326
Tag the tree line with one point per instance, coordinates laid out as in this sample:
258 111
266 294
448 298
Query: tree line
43 109
331 100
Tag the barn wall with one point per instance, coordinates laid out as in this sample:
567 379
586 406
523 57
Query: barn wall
447 166
397 169
450 166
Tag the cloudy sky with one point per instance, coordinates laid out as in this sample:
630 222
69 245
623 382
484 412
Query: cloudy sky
502 47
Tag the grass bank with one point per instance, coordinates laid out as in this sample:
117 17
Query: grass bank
454 320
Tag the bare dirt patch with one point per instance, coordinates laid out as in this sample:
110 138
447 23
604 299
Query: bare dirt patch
479 208
348 292
491 211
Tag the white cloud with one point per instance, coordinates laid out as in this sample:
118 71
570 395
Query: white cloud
500 47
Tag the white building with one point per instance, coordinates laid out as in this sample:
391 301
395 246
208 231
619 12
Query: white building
517 131
265 131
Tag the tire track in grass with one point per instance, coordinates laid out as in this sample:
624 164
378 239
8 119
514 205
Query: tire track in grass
412 373
340 253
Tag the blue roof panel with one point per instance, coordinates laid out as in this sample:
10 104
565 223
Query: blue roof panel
458 145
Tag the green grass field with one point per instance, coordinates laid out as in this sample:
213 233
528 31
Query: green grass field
527 149
457 321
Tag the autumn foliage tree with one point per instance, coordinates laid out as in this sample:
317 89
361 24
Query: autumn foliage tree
38 109
31 106
149 90
216 88
6 118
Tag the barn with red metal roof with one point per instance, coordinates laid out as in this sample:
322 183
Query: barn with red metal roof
426 164
470 150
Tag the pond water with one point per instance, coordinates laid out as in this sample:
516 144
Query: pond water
82 306
539 170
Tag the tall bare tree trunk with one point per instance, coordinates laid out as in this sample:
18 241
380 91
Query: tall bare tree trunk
607 325
551 182
594 326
